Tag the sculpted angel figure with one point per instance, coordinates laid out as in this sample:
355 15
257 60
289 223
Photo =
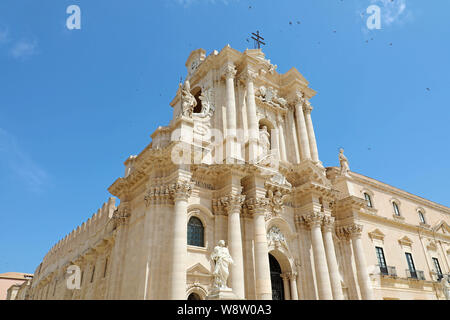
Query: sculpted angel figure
344 163
222 259
188 101
264 139
277 200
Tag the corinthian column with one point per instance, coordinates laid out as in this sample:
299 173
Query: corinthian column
320 261
281 138
305 152
293 134
354 232
336 287
180 192
311 134
233 204
253 129
229 72
257 207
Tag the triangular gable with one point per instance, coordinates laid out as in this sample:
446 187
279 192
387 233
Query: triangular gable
405 241
442 227
198 269
376 234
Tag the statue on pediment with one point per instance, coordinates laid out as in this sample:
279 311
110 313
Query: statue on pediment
222 259
345 168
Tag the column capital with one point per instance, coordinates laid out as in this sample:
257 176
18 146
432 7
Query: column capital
313 219
292 275
228 71
328 223
307 108
257 206
181 190
122 213
351 231
247 76
299 98
232 203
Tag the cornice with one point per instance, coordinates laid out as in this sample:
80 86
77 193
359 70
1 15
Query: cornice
401 193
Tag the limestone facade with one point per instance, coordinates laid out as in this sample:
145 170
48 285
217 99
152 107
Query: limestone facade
239 162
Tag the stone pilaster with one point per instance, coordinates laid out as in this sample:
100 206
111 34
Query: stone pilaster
248 77
281 137
286 285
293 283
229 73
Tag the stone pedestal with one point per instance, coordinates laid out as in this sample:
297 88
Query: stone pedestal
222 294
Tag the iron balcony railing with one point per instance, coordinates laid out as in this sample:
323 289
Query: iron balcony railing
438 276
387 271
415 274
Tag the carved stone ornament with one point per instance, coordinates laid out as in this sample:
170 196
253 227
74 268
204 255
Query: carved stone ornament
229 71
270 96
181 190
188 101
257 205
121 214
313 219
276 238
157 195
208 108
232 203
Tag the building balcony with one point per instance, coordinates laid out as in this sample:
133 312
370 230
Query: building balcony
415 274
387 271
439 277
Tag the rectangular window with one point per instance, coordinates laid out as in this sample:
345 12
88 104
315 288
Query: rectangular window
411 267
437 268
381 260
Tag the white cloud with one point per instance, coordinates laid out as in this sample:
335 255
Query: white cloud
20 163
24 48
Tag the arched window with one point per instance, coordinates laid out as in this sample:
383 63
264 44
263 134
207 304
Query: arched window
368 200
396 210
422 217
195 232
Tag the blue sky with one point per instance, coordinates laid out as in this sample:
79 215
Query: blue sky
74 104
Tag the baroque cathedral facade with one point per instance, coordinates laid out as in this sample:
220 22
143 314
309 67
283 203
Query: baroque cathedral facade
239 162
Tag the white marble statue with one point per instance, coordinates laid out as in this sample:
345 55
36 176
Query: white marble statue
188 101
222 260
345 168
264 140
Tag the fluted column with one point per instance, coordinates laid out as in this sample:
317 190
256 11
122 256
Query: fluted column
293 282
180 192
229 72
305 152
355 232
320 261
233 204
257 208
253 129
311 134
281 138
336 287
286 286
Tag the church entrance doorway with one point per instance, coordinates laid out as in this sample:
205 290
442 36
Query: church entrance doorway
194 296
275 277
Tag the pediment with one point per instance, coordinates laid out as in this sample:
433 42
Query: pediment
442 227
405 241
377 234
198 270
